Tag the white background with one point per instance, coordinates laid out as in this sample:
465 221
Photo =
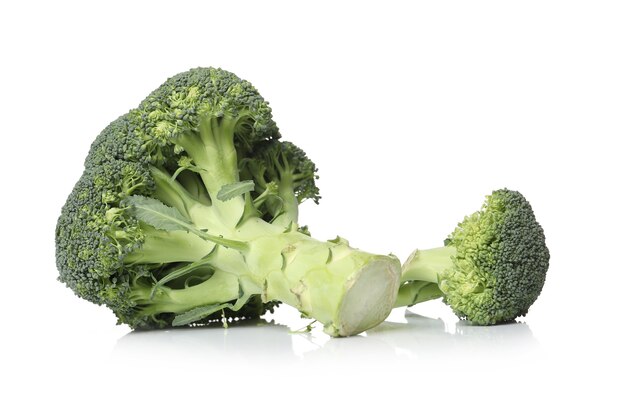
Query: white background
413 111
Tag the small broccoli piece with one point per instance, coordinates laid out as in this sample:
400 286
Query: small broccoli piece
490 270
284 177
187 212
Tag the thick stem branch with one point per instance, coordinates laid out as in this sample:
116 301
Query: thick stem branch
213 150
173 194
347 290
220 287
289 204
161 247
420 275
415 292
426 265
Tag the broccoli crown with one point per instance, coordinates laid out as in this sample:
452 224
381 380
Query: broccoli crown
500 263
180 104
96 231
148 133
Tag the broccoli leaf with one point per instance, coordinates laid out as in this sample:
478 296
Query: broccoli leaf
157 214
233 190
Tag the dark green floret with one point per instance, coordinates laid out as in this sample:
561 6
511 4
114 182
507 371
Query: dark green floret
491 268
187 213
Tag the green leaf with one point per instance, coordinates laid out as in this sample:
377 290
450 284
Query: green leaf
235 189
153 212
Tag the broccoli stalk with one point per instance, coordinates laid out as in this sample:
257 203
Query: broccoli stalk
346 289
187 211
328 281
420 275
490 270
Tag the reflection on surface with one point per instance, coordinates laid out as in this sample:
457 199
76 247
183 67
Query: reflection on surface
248 339
419 337
426 335
423 337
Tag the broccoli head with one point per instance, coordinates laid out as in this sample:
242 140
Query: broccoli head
491 268
187 212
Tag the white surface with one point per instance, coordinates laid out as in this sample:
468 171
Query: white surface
413 114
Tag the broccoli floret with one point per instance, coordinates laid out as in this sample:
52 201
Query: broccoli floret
186 213
490 270
283 176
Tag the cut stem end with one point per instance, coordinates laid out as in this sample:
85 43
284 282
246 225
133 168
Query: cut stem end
369 298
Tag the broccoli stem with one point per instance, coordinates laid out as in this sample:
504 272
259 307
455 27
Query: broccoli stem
420 275
161 247
262 198
219 287
172 193
218 156
192 182
346 289
289 208
425 265
415 292
213 150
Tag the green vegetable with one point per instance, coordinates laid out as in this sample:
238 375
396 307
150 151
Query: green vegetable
490 270
187 212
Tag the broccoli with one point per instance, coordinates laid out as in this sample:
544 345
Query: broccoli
490 270
187 213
